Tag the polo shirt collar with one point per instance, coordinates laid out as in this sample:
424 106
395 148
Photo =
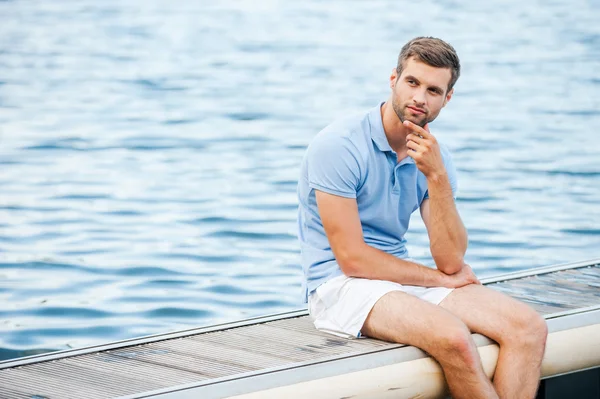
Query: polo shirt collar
377 133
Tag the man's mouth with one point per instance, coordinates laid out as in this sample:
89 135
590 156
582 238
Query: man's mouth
416 110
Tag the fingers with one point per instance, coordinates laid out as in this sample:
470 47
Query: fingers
418 130
413 145
416 143
415 138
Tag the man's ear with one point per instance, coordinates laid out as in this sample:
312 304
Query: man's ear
448 97
393 78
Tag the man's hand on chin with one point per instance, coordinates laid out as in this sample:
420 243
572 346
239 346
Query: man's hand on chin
464 276
425 150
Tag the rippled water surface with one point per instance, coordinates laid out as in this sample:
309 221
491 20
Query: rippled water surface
149 151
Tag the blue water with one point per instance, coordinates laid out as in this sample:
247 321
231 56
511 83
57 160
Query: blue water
149 151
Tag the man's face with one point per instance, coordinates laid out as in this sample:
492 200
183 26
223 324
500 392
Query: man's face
420 92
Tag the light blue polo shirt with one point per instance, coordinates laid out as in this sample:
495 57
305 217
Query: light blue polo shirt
352 158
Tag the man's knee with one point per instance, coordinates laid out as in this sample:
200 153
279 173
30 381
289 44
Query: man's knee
456 344
537 331
527 328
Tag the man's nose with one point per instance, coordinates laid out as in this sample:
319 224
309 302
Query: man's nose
419 97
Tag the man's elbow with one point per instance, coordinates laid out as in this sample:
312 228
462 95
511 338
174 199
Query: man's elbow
349 261
449 264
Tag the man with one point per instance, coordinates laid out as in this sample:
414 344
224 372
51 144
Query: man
362 177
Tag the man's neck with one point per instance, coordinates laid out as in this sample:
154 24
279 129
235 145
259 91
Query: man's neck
394 130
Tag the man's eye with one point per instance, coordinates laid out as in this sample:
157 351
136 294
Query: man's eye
412 82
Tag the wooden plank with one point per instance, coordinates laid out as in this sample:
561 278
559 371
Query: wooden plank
540 306
251 344
184 358
222 354
51 386
6 392
325 343
103 372
306 326
134 369
74 376
560 293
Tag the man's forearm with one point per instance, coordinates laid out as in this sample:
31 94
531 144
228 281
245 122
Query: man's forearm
447 234
372 263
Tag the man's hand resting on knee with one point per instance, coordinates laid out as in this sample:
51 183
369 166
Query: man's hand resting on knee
464 276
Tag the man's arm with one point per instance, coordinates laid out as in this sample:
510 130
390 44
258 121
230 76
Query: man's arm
447 234
358 259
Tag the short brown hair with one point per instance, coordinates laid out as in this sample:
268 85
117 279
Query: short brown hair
432 51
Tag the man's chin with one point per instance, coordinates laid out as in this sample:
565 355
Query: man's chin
417 121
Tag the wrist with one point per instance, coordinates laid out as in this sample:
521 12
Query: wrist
442 278
438 186
437 176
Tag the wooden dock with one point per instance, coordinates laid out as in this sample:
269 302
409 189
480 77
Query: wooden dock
279 355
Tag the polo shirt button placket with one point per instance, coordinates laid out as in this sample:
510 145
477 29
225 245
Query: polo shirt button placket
396 179
393 160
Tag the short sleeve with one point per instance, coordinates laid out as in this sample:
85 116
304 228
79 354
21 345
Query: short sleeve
450 170
333 166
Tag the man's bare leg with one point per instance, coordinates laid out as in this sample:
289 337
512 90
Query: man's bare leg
403 318
516 327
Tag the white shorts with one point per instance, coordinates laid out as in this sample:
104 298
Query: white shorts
341 305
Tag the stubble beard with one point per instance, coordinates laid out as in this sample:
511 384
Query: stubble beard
403 113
